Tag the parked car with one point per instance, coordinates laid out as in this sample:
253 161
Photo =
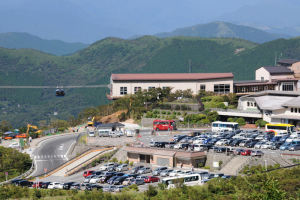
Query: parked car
104 132
114 134
166 172
251 144
108 188
200 147
258 145
76 186
67 186
276 145
119 180
151 179
91 187
174 173
92 134
294 147
266 145
95 179
181 146
158 170
118 188
88 173
285 146
112 179
138 181
45 185
136 169
24 183
122 167
170 145
105 166
144 170
221 142
55 185
246 152
257 153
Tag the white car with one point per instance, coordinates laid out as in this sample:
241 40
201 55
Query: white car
122 167
95 179
221 142
175 173
55 185
92 134
200 147
14 145
106 166
266 145
199 141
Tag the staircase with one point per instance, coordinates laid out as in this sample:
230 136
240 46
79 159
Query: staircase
235 165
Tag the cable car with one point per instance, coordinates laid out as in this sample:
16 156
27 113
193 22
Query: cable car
59 92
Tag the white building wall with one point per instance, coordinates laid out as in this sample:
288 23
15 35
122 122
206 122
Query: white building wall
262 72
174 85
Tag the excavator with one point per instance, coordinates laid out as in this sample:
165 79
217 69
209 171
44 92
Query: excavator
93 122
35 130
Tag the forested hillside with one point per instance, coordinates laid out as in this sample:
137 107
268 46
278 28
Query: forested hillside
224 30
94 65
27 41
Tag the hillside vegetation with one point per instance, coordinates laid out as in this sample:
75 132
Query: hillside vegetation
13 162
94 65
16 40
224 30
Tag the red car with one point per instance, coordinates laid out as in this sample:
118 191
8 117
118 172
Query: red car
37 185
88 173
246 153
151 179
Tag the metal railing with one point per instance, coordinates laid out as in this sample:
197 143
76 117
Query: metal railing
237 110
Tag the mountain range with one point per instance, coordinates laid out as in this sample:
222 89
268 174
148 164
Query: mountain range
94 64
224 30
24 40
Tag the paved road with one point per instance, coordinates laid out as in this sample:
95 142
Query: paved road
52 153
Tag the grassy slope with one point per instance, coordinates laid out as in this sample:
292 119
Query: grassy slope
94 65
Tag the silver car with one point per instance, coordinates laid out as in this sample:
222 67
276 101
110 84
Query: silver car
144 170
166 172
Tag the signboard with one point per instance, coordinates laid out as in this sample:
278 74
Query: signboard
216 164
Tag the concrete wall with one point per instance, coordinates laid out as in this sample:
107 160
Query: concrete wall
175 85
261 72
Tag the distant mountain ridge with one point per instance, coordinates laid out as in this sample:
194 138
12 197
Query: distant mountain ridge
224 30
14 40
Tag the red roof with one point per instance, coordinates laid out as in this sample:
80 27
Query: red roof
170 76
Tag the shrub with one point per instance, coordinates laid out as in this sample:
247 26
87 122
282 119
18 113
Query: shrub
163 112
156 112
241 121
169 113
260 123
131 163
149 114
205 121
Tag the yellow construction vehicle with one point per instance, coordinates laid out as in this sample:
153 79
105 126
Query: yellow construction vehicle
35 130
91 121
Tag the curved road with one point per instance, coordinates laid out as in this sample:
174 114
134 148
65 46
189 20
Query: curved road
52 153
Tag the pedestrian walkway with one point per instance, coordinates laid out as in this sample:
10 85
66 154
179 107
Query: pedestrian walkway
234 165
77 162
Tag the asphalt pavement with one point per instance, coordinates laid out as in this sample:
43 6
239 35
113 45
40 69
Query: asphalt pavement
52 153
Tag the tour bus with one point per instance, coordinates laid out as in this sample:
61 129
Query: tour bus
280 129
219 126
188 180
164 125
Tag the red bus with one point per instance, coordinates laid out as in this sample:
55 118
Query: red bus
164 125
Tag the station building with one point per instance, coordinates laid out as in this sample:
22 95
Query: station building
123 84
165 157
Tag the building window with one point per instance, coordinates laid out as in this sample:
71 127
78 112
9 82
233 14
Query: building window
255 104
222 88
243 89
136 89
296 110
123 90
292 109
151 88
254 89
248 103
202 87
287 86
262 78
251 104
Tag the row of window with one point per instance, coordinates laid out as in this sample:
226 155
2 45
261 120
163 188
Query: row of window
251 104
218 88
287 86
295 110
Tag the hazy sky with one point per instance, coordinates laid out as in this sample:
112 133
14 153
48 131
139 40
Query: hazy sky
90 20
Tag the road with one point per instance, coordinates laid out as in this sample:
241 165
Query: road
52 153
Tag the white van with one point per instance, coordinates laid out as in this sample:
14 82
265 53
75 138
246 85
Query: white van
104 132
92 134
130 133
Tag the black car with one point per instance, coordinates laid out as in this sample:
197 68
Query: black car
119 180
276 145
161 144
24 183
91 187
170 145
251 144
15 181
66 186
235 143
45 185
